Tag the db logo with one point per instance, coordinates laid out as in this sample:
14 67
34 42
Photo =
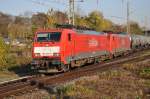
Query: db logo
93 43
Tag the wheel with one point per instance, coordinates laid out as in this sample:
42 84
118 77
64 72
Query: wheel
111 56
63 68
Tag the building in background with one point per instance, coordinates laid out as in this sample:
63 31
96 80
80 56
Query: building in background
147 33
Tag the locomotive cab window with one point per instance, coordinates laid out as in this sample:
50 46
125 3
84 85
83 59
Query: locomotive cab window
48 36
69 37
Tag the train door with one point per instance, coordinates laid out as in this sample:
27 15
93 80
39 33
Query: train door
109 42
71 40
70 47
113 44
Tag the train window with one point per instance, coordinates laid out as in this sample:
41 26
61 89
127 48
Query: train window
69 37
48 36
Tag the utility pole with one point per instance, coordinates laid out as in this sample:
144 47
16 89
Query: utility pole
97 5
71 12
145 26
128 17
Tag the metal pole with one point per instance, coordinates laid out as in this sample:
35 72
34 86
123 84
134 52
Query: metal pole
71 12
128 17
146 25
97 5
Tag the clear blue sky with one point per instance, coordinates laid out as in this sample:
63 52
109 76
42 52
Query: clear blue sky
115 10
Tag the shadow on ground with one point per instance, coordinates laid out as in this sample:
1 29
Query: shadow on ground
24 70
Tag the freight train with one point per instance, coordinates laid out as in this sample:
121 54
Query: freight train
70 46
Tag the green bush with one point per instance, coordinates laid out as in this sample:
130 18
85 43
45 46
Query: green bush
145 72
3 53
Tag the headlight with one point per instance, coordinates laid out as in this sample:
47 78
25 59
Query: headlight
37 54
56 54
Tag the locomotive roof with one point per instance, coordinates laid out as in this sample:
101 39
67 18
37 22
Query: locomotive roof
79 29
89 32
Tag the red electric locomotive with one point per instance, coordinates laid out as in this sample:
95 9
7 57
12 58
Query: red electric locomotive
120 43
63 48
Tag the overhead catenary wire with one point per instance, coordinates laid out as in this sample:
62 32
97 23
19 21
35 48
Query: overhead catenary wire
46 2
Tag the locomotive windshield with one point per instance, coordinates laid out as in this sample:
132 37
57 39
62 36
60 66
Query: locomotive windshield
48 36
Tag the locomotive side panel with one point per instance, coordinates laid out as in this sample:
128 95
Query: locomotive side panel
91 45
119 44
86 47
67 46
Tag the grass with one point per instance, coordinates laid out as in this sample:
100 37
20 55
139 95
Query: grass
107 85
141 69
127 82
6 75
16 66
144 73
75 90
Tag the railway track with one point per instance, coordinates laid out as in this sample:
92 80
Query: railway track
29 83
15 86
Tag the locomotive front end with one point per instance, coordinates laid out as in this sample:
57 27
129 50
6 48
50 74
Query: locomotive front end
46 50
